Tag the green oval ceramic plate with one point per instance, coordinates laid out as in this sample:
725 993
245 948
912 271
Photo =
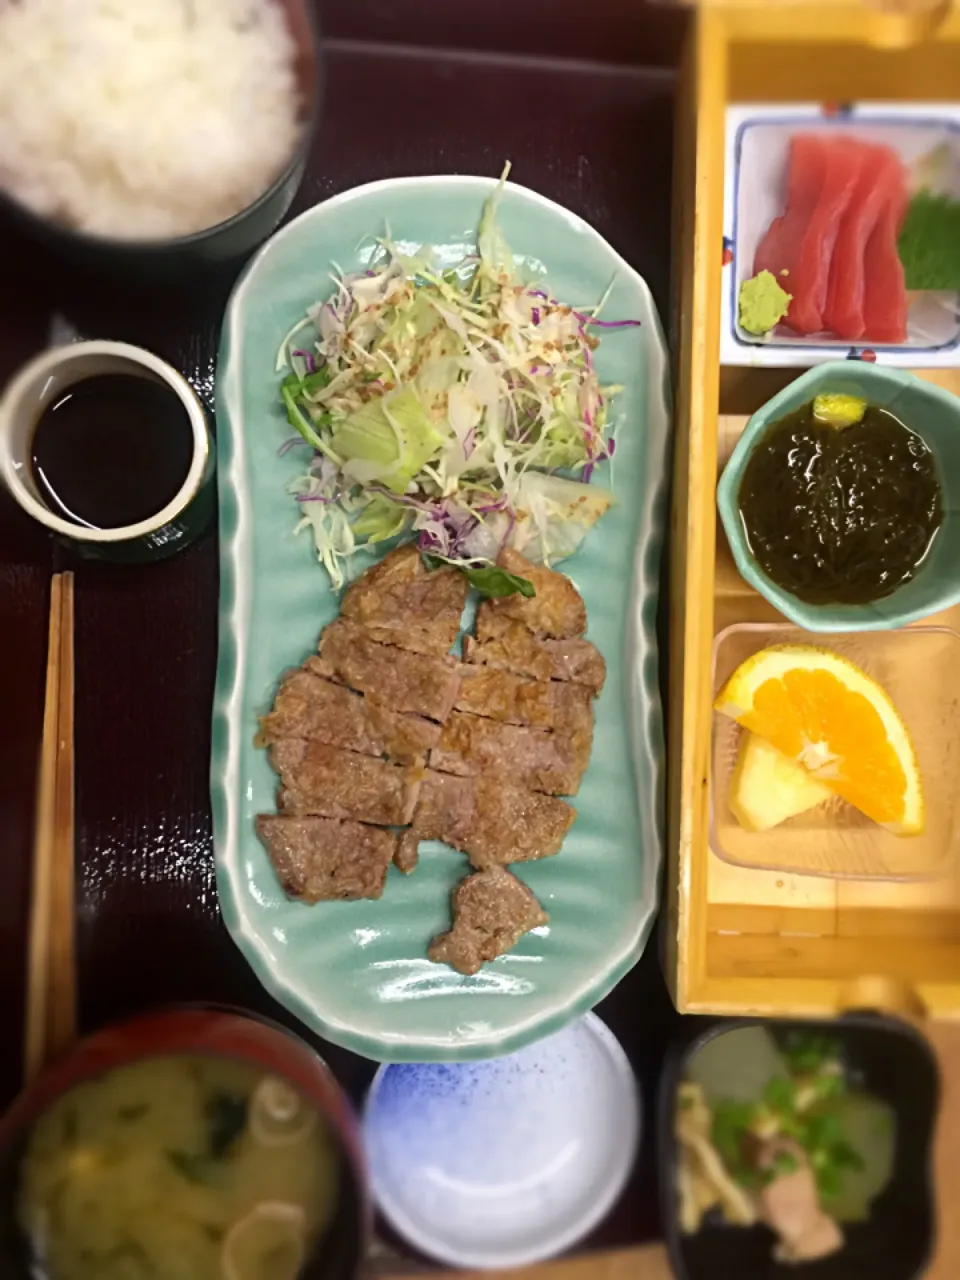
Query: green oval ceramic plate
357 972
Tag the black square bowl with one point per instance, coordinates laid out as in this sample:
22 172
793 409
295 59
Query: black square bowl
894 1062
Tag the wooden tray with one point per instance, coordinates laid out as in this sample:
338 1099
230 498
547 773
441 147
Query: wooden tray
740 940
148 927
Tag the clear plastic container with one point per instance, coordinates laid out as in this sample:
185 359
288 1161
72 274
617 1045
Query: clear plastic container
920 669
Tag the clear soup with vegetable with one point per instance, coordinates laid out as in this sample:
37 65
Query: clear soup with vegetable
772 1128
178 1168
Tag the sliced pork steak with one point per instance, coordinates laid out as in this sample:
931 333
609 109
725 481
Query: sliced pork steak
492 910
403 680
545 704
555 610
326 781
311 707
321 858
402 602
490 819
550 762
511 646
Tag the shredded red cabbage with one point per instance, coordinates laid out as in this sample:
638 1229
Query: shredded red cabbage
404 500
308 356
489 507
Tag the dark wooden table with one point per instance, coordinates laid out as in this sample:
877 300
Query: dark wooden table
586 120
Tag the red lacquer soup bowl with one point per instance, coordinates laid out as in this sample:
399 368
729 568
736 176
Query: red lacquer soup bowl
200 1032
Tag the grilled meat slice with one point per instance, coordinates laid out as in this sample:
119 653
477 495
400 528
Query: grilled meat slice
445 809
404 681
545 704
408 852
399 601
311 707
490 819
511 646
492 910
535 758
556 610
320 858
326 781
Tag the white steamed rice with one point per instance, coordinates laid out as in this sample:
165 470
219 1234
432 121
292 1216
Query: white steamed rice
144 118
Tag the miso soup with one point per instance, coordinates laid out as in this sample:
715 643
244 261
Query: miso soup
178 1168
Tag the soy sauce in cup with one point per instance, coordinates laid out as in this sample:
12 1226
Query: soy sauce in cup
107 446
112 450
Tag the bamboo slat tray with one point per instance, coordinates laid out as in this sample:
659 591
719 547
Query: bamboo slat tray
741 940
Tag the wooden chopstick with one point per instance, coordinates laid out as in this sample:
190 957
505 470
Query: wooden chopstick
51 973
62 989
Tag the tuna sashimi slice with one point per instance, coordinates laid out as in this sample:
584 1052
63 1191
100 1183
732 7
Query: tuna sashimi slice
881 177
779 249
885 290
798 247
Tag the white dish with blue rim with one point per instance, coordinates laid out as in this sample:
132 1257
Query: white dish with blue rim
756 156
508 1161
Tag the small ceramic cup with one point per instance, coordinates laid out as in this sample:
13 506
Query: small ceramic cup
928 410
43 380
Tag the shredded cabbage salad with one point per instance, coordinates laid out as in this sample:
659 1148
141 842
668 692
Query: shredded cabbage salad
461 407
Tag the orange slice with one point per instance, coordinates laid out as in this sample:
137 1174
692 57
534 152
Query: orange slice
826 714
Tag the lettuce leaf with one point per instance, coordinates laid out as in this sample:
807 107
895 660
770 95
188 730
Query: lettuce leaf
554 514
380 519
393 432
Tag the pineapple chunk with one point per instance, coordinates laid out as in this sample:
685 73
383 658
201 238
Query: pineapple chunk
768 787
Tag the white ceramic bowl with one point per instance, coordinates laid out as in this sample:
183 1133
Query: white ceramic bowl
502 1163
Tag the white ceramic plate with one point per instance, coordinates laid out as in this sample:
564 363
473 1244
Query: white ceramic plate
757 153
504 1163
